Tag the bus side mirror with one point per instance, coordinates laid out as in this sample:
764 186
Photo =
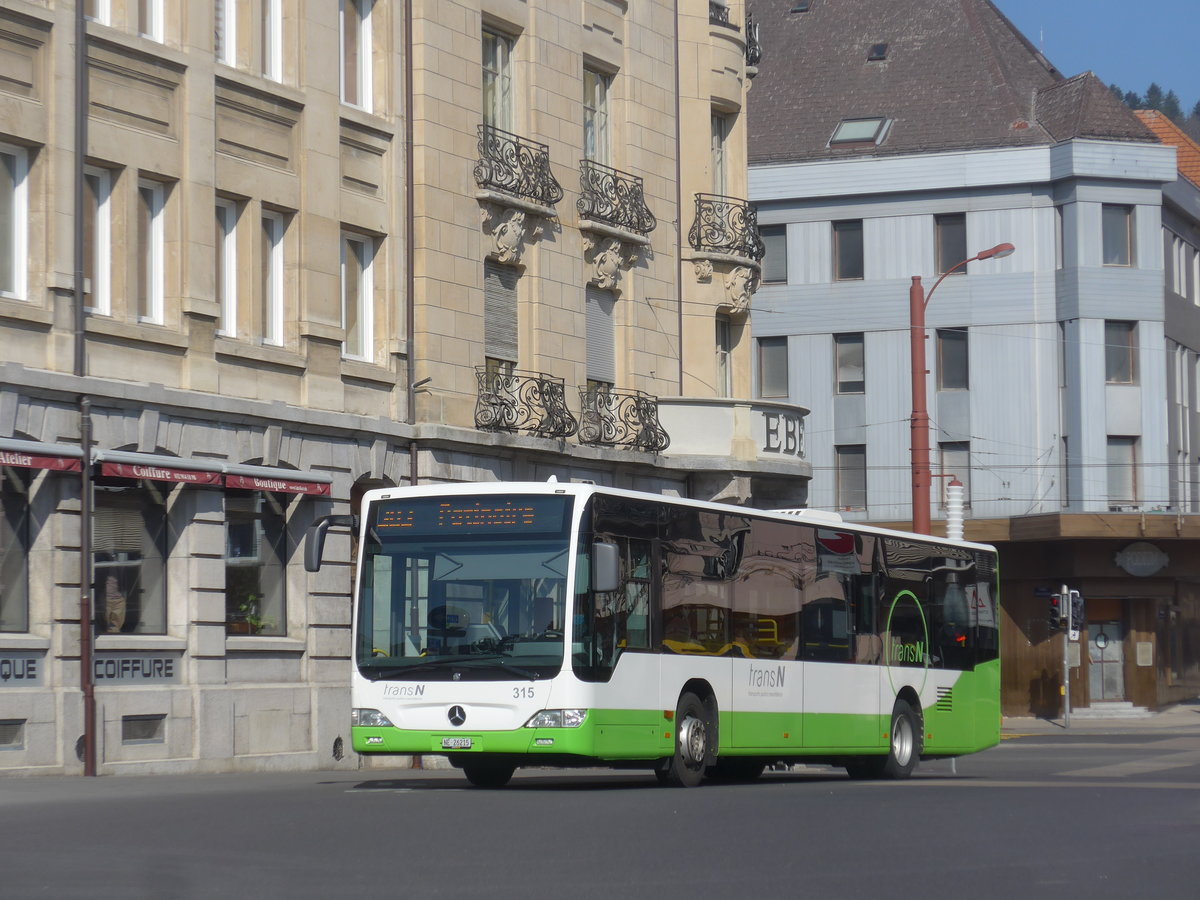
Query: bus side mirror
314 538
606 567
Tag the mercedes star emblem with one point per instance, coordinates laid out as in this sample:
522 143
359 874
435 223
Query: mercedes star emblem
457 715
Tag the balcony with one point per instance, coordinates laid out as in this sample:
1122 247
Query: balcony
621 418
726 225
753 47
614 198
515 401
512 165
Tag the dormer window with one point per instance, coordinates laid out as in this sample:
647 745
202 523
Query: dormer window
877 52
860 131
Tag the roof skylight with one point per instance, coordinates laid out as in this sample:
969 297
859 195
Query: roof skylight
859 131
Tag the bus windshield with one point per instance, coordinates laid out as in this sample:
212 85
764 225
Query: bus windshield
463 588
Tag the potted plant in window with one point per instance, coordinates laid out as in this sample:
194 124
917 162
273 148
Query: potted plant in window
249 619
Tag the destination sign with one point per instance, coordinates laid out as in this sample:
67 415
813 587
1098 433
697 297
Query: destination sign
471 516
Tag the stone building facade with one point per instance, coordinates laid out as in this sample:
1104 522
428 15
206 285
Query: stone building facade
260 256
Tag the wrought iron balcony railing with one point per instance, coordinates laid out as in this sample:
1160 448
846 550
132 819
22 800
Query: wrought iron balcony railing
522 401
718 13
626 418
513 165
753 47
726 225
614 197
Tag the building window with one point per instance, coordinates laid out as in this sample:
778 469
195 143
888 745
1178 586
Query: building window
851 476
497 80
724 385
1120 352
355 22
1118 234
848 250
270 322
850 361
358 253
951 232
775 261
148 729
1122 472
97 240
596 141
129 560
773 366
500 312
14 550
953 362
720 137
601 337
955 461
97 10
150 19
225 31
13 219
225 276
151 196
12 734
1058 237
271 31
255 563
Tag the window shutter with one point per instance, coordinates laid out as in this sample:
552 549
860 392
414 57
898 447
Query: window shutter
499 311
601 346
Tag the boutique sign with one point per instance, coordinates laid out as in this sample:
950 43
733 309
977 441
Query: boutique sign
22 670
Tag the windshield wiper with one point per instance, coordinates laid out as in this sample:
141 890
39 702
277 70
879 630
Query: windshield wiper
454 662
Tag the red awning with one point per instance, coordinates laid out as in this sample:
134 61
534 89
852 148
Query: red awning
36 455
280 485
153 472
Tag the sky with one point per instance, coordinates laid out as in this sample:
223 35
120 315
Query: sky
1130 43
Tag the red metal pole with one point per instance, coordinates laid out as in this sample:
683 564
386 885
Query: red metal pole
920 412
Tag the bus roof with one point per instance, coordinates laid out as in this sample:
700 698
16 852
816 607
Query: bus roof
587 489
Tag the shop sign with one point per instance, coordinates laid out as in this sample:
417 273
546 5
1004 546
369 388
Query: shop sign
34 461
136 668
281 485
22 669
1142 559
159 473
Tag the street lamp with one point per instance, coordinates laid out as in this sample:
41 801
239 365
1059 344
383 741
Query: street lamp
918 300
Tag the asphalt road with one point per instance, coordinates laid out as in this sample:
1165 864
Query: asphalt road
1048 815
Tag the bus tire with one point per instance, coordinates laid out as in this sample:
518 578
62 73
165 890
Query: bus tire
488 773
904 744
693 743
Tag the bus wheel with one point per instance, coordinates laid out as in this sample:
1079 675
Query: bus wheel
736 769
488 774
904 747
692 739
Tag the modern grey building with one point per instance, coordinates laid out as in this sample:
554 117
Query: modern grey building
896 140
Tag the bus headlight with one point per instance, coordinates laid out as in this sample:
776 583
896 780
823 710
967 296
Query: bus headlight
371 718
557 718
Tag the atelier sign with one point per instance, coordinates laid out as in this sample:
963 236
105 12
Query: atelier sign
136 668
21 670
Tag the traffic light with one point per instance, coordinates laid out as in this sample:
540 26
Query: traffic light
1056 611
1075 610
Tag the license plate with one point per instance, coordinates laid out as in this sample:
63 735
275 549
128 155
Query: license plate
456 743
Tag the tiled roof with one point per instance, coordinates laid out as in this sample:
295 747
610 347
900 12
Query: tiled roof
1187 150
958 75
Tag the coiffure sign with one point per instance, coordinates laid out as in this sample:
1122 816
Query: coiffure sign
136 668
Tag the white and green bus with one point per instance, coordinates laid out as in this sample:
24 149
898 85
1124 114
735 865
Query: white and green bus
506 625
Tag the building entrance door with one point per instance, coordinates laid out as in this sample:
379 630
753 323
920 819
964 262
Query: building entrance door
1106 661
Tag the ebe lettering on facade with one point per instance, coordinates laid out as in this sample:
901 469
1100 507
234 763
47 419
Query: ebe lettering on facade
783 433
